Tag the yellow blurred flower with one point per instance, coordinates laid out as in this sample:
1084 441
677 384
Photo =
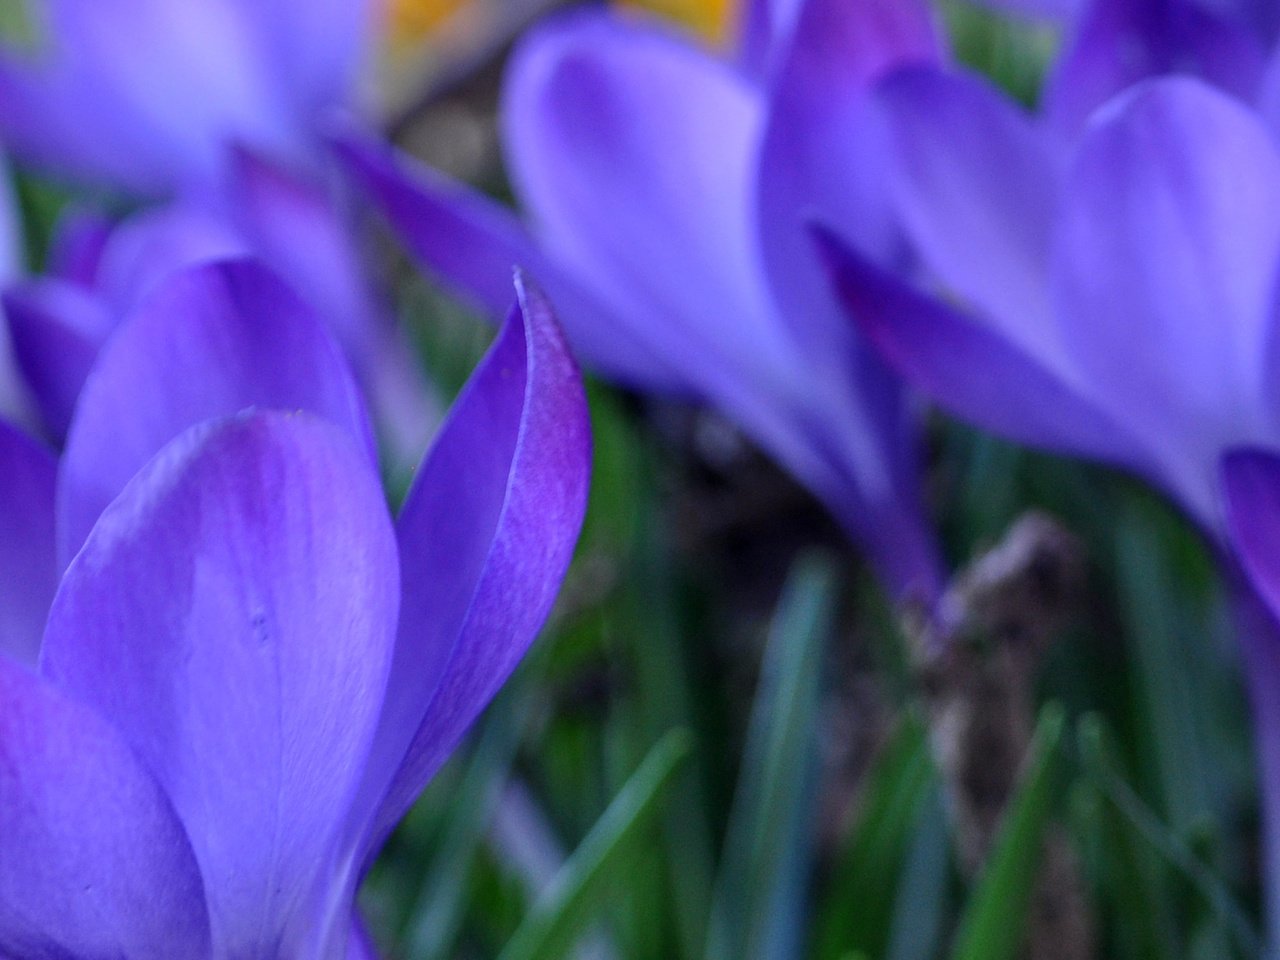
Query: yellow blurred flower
709 19
409 22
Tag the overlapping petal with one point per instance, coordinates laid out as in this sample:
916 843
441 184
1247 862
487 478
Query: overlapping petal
300 228
977 185
233 615
1121 42
57 329
93 861
1251 488
634 156
824 149
971 370
211 341
28 572
472 244
1165 270
485 535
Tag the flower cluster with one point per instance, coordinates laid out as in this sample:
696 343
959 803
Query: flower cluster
226 671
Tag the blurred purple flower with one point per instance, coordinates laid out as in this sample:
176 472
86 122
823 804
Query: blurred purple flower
99 271
664 192
249 671
150 95
1113 298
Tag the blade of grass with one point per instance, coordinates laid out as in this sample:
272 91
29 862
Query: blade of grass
1098 757
564 909
759 888
441 905
858 911
923 894
993 923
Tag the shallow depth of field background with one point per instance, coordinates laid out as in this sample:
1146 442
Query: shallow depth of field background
718 635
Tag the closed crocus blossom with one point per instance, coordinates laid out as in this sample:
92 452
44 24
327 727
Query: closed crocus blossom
663 190
1115 301
249 670
84 102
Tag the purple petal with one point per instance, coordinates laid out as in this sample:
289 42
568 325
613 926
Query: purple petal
233 614
76 248
314 48
28 573
486 535
634 154
147 248
93 108
977 185
1268 97
93 862
763 31
1165 270
473 244
972 372
298 228
825 149
1251 489
57 329
1120 42
211 341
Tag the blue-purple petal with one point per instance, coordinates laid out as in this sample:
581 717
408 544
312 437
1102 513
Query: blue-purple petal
486 535
825 148
634 155
473 244
1251 492
233 615
977 185
93 861
973 372
211 341
28 571
57 329
1120 42
1164 274
302 230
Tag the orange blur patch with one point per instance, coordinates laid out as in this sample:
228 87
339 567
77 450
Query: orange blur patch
709 19
409 22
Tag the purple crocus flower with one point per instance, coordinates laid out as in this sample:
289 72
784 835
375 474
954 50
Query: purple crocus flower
248 670
148 95
663 191
1115 300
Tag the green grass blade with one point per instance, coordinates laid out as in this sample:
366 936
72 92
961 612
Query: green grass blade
993 923
564 909
767 847
441 904
857 914
1098 756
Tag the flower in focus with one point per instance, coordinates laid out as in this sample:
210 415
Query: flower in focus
248 671
663 190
